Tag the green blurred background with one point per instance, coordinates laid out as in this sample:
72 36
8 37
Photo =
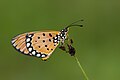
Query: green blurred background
97 43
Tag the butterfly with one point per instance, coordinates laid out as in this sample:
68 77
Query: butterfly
41 44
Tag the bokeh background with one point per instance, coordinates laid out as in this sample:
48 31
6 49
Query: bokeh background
97 43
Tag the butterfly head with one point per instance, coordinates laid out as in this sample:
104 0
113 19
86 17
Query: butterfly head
63 33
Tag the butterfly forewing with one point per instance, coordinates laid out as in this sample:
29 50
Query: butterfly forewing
39 44
43 42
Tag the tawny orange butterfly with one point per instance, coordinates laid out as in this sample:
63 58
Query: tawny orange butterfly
41 44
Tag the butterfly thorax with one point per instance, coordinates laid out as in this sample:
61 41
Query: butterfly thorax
61 36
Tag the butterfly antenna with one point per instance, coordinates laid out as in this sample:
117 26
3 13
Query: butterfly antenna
74 24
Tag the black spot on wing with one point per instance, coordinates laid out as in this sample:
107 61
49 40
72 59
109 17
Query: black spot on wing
50 34
43 34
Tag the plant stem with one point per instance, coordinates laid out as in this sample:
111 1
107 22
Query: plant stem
81 69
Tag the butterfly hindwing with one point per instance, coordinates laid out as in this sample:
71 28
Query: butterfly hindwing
39 44
19 43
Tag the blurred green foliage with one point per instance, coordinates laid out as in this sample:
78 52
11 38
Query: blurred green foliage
97 43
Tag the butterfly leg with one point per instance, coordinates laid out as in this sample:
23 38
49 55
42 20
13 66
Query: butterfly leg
63 47
71 49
